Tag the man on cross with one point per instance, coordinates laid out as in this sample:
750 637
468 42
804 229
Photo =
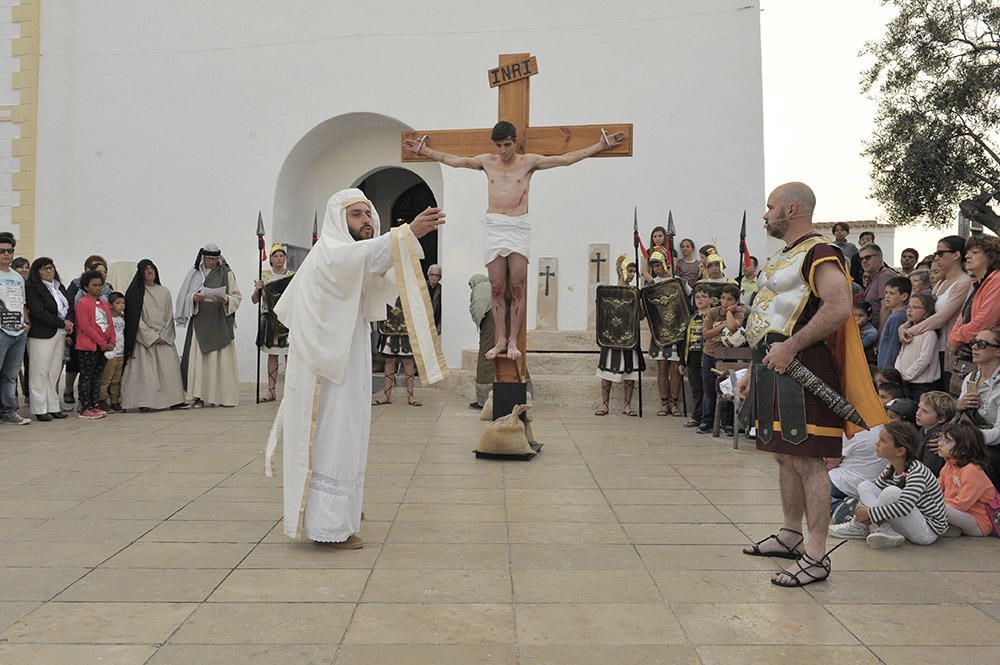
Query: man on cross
506 229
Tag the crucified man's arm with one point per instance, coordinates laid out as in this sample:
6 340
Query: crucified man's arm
607 141
419 147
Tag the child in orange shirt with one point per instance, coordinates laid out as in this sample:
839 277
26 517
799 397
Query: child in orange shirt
966 487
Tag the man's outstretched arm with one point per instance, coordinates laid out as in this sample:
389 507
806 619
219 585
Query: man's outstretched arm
575 156
419 147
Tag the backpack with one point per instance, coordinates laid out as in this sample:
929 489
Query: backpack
993 511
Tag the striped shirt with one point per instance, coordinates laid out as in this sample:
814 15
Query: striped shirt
921 491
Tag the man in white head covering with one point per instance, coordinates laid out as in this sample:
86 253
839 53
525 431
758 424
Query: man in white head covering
207 304
345 283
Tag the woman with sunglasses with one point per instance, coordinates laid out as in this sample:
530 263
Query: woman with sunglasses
950 293
981 392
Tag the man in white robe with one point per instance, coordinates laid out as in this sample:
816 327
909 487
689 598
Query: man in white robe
340 288
207 304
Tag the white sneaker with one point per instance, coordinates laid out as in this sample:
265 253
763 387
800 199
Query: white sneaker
13 418
884 537
852 529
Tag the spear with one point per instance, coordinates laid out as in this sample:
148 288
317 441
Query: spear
743 246
315 227
635 243
260 297
671 232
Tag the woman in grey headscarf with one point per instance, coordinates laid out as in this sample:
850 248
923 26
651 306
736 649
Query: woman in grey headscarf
481 310
207 304
434 289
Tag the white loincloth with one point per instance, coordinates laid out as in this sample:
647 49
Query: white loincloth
504 235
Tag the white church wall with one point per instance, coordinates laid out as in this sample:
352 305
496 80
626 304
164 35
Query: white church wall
8 130
165 126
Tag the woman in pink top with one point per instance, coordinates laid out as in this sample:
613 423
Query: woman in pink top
982 308
966 488
94 336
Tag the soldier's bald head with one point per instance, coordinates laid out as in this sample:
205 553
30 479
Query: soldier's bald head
798 193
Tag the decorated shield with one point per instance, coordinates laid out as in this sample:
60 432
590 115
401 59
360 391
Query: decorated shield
667 311
618 309
394 322
275 333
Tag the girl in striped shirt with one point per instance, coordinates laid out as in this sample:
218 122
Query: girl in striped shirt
904 503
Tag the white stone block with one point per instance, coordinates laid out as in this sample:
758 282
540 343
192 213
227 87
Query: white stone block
9 130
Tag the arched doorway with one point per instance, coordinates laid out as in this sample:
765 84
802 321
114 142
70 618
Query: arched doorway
399 196
345 151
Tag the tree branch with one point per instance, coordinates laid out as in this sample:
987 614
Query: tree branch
975 137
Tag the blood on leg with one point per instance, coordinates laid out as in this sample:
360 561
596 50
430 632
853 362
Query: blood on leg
497 272
518 268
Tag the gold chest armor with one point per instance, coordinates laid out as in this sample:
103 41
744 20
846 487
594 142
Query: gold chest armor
783 294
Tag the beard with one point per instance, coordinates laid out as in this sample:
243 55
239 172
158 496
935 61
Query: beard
366 232
777 228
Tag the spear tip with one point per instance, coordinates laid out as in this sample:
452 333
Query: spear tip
260 224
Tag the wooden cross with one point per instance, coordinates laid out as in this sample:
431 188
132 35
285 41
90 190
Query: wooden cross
597 261
547 274
512 76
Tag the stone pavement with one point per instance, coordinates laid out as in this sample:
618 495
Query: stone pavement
156 538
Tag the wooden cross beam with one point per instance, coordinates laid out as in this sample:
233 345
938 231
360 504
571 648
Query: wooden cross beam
513 77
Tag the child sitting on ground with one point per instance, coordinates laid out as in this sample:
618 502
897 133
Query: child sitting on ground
901 410
966 487
887 375
935 409
888 392
904 503
110 392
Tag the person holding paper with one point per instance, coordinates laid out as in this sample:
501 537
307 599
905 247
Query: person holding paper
206 305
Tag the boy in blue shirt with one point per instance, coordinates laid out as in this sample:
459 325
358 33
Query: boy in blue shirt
897 294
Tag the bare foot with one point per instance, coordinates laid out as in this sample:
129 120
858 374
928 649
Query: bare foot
512 352
497 349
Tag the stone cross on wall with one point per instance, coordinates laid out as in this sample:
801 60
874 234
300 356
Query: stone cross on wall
548 292
600 271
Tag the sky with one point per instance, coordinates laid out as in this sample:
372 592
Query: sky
816 117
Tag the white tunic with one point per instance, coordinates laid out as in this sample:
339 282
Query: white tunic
340 447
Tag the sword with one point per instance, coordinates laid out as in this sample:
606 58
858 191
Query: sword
805 377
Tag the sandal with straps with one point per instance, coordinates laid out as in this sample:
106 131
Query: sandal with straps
789 553
605 397
796 579
386 392
675 410
628 410
664 407
410 399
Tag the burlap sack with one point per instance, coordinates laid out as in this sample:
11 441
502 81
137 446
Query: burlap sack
506 435
487 413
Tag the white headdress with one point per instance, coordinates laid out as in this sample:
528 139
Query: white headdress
321 303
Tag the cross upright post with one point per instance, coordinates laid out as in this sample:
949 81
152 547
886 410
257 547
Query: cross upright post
512 77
